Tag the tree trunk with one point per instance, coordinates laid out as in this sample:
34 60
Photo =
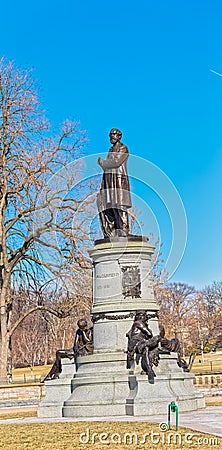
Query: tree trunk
46 350
4 344
5 317
9 360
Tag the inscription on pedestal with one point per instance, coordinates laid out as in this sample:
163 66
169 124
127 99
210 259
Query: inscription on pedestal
107 281
107 275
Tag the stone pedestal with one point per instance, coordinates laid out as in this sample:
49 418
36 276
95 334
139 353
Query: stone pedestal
102 386
171 383
57 391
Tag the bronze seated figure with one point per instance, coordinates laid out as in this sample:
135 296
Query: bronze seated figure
83 345
144 345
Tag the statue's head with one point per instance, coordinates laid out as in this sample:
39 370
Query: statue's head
141 315
82 323
115 135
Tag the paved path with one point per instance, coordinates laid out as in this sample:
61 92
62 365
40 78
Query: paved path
18 403
207 420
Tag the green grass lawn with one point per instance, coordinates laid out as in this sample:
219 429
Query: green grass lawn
212 363
30 374
17 415
68 435
101 435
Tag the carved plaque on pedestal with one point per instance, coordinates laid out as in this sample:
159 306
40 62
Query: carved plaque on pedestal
131 281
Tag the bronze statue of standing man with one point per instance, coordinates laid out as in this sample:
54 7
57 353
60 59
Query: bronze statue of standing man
114 198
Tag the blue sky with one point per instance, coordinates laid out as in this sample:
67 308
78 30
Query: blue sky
144 68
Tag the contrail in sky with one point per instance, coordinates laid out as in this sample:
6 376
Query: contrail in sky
216 73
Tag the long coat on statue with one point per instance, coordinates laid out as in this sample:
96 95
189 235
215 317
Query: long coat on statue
115 188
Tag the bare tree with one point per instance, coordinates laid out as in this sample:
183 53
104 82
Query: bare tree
37 202
197 325
176 302
212 295
40 334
